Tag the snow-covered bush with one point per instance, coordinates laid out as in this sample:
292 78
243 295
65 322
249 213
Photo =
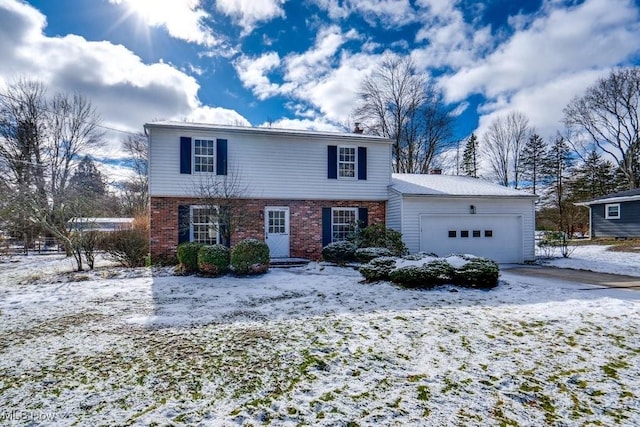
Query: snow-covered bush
378 268
188 256
379 236
250 256
367 254
339 252
213 259
429 274
410 276
477 273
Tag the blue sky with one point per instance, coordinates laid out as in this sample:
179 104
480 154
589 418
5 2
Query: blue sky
298 64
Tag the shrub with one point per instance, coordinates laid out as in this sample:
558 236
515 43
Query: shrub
127 247
367 254
410 276
379 236
188 256
213 259
339 252
477 273
378 268
427 275
250 256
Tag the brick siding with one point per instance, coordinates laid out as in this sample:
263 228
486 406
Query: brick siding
305 223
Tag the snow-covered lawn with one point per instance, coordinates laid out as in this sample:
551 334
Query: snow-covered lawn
312 346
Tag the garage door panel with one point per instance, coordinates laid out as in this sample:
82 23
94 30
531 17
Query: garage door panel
498 237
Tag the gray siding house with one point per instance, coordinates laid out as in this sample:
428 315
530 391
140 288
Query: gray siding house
615 215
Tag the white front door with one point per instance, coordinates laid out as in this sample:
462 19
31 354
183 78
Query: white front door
276 227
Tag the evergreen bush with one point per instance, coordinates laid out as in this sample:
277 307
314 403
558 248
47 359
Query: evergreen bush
339 252
378 268
477 273
367 254
379 236
188 256
213 259
250 256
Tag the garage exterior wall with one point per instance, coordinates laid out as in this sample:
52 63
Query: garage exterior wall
394 211
412 207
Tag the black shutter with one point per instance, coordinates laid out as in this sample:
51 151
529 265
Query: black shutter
185 154
363 216
332 162
326 226
184 224
224 219
362 162
221 156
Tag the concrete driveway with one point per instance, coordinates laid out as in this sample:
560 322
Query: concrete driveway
577 276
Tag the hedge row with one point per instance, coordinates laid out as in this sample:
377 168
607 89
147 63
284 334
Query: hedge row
249 256
427 271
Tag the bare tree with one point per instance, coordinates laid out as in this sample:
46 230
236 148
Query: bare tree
42 138
224 197
401 104
135 196
608 115
504 141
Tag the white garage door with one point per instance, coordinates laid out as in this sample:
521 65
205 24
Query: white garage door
498 237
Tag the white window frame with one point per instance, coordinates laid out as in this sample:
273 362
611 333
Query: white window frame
348 162
212 155
607 215
214 227
352 224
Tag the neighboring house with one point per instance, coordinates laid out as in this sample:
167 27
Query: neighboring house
306 189
615 215
457 214
99 224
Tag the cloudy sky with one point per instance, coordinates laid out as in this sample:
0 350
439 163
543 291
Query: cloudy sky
299 63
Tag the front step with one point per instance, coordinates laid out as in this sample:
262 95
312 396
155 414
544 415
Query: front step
288 262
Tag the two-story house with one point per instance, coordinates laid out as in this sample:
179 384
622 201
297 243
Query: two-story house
300 190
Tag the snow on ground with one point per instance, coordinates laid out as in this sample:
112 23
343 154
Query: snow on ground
311 346
597 258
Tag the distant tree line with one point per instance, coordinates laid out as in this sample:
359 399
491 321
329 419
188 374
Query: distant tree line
47 173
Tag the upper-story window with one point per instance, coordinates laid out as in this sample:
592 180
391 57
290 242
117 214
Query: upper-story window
612 211
347 162
204 155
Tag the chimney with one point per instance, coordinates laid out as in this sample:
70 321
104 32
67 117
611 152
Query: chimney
358 129
436 171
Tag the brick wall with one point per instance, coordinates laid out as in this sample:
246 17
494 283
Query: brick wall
305 223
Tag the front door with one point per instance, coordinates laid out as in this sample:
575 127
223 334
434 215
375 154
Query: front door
276 226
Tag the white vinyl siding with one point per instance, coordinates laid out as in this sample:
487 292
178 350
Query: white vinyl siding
343 222
203 155
270 166
394 211
413 207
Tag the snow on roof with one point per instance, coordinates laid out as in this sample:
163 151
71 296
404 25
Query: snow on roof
263 130
623 196
450 185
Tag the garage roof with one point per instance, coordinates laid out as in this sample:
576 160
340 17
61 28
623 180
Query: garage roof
451 185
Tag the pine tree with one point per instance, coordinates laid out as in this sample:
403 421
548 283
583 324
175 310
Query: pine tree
558 166
470 157
534 156
594 178
87 189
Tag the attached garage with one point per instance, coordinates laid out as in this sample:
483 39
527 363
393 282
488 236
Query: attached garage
454 214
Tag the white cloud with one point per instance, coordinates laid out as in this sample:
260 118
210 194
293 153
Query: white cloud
302 124
388 13
254 74
596 33
248 13
124 90
182 19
